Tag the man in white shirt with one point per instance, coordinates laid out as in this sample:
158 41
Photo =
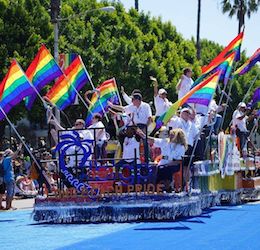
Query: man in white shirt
240 120
140 113
161 103
185 83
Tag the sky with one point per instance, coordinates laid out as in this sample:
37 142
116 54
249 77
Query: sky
215 26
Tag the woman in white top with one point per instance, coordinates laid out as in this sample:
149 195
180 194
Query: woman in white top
172 151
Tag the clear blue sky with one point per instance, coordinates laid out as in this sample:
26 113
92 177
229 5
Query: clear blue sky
215 26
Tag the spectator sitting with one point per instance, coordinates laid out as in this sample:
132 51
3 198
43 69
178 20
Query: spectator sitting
25 188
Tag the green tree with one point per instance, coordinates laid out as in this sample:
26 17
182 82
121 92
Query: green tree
240 8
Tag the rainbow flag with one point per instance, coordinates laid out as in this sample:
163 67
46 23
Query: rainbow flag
108 92
66 59
13 88
208 83
205 94
248 64
234 45
41 71
225 65
53 149
255 99
63 93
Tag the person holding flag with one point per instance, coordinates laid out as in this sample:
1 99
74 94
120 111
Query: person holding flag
240 120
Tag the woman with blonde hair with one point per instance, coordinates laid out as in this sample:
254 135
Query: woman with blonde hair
172 151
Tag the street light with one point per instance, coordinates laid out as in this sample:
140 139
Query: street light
55 9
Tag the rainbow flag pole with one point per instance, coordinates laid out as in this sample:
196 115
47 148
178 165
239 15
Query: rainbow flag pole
120 102
252 84
20 138
201 128
104 112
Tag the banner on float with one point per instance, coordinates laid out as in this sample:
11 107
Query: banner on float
229 156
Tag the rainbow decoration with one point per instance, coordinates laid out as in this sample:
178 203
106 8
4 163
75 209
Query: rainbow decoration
13 88
234 46
41 71
255 99
167 115
223 153
66 59
63 93
225 65
53 149
248 64
108 92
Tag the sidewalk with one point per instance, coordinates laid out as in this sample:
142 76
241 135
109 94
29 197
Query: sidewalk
22 204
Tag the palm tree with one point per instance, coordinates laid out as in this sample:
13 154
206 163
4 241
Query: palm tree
240 8
136 5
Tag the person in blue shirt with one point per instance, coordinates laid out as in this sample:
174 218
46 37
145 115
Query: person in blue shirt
9 180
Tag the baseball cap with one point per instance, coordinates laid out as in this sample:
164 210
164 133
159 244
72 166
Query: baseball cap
137 96
186 110
241 105
161 91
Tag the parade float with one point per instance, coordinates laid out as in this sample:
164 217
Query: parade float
96 195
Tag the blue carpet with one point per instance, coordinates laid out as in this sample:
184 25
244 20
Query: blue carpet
227 227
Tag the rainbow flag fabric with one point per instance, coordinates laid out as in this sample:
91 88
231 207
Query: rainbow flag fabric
248 64
234 45
225 65
108 92
41 71
205 94
255 99
13 88
202 97
63 93
65 60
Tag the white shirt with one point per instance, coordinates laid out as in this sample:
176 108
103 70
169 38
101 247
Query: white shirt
161 105
203 109
130 144
127 99
241 124
99 124
171 150
185 86
188 128
200 121
75 155
139 114
86 133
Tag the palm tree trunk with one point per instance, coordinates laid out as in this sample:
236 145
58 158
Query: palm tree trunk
136 5
198 31
241 16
